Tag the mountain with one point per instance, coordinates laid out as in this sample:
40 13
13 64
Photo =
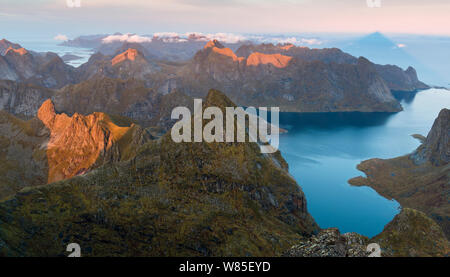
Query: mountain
382 50
23 159
297 79
5 45
79 143
327 55
53 147
45 69
130 63
436 147
412 234
171 199
130 98
22 100
172 48
395 77
419 180
399 80
291 83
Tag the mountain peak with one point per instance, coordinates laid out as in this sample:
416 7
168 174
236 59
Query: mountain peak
216 98
286 46
131 54
6 44
436 148
213 43
21 51
277 60
80 140
46 112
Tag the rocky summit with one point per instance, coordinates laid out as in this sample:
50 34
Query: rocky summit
412 234
331 243
170 199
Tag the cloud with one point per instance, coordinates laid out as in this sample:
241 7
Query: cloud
173 37
61 37
401 45
126 38
177 37
310 41
226 37
284 40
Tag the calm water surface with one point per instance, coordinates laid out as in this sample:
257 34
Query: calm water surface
323 150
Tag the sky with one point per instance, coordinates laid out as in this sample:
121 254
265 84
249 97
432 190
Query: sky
34 18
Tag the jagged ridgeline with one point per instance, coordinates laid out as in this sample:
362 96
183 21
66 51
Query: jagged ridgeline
170 199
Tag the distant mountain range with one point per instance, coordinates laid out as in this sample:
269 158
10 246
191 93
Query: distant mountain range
297 79
382 50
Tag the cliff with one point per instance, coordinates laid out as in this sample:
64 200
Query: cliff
293 84
436 147
395 78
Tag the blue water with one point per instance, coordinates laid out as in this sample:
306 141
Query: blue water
322 151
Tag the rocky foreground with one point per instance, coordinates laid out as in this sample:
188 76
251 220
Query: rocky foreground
410 234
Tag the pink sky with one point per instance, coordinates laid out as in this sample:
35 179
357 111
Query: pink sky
400 16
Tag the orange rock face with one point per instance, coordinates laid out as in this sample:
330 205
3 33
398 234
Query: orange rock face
227 52
218 48
286 47
213 43
76 142
276 60
130 54
20 51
